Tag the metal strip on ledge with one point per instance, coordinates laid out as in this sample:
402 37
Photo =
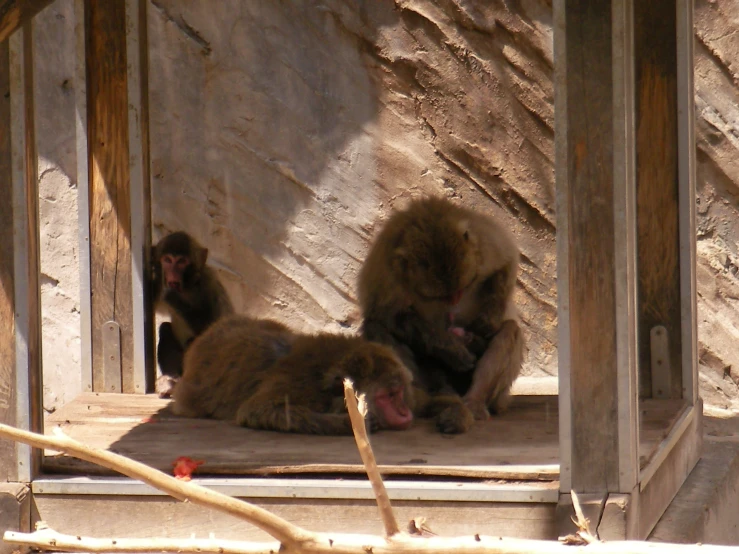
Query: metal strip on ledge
540 492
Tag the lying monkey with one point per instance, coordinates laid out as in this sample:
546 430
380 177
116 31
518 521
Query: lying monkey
265 376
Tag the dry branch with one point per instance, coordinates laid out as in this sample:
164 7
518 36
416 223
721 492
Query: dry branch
283 531
368 458
294 538
328 543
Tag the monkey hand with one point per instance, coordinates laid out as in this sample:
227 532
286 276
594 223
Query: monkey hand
455 419
455 354
372 423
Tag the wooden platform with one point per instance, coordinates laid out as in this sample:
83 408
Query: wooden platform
519 445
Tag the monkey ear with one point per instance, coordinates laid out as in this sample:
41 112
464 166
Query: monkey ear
201 257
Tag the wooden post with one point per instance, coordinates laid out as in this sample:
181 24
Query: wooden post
655 45
118 172
20 305
15 13
596 246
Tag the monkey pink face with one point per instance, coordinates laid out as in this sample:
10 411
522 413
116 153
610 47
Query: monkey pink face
173 268
392 410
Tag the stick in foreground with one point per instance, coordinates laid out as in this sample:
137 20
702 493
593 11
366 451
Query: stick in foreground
357 414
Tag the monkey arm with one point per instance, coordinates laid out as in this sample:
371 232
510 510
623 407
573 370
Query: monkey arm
197 316
427 339
452 414
493 297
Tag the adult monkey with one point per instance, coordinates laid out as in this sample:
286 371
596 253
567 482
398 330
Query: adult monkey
189 291
265 376
438 285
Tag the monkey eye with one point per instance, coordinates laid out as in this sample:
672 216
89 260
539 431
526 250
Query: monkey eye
183 261
167 259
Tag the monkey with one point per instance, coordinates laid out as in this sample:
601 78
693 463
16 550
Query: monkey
437 284
265 376
187 290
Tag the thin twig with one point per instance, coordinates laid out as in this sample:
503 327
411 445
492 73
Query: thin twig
368 458
583 524
330 543
48 539
282 530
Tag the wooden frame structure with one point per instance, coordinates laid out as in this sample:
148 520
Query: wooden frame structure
626 249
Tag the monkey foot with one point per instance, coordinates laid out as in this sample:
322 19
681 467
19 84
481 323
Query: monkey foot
479 409
165 386
455 419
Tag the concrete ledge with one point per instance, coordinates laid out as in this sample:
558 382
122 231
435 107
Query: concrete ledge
706 507
15 511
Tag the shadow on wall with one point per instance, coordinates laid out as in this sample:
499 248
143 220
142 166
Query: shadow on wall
260 146
281 133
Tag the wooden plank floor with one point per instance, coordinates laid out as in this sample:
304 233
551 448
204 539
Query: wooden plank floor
519 445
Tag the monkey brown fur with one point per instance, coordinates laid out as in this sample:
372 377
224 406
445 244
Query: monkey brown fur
437 285
187 290
265 376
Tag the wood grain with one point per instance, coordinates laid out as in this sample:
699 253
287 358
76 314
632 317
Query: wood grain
519 445
110 203
141 516
655 45
592 292
8 459
14 13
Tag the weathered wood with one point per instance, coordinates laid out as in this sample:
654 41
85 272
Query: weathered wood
8 459
144 372
109 174
656 496
15 511
687 195
20 307
597 205
83 193
15 13
521 444
615 523
657 186
563 247
141 516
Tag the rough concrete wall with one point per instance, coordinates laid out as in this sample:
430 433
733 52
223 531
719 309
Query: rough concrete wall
283 132
55 134
717 121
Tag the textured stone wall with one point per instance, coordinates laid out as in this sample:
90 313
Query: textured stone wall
284 132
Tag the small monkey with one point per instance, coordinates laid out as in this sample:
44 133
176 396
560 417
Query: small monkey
438 285
265 376
187 290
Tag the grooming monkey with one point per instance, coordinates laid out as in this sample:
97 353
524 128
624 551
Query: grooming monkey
438 286
189 291
265 376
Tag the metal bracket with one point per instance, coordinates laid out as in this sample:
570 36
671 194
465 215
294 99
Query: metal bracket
112 381
659 346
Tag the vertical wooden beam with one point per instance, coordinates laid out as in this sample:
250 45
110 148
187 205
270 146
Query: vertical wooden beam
110 138
83 193
686 199
20 305
596 237
8 457
655 44
138 148
15 13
